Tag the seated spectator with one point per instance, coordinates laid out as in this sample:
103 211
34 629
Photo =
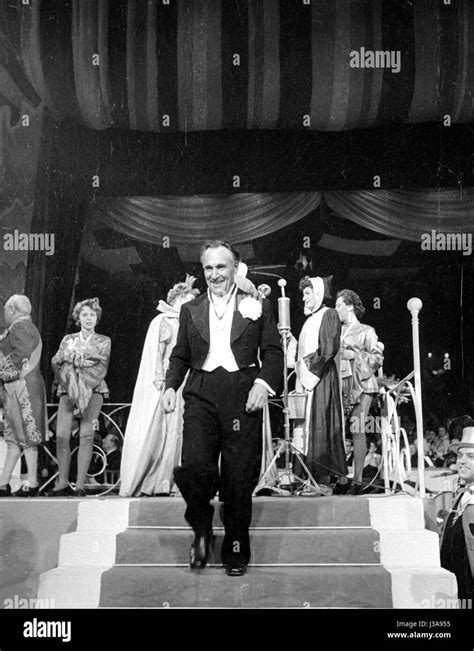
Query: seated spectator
440 447
450 460
112 448
426 453
372 461
430 436
349 449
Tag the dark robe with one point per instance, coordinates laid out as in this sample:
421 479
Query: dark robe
326 455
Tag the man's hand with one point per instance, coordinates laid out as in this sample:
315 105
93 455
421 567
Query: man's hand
169 400
257 398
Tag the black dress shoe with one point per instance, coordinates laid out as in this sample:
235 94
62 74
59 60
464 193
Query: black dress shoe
26 491
341 489
6 491
235 568
355 489
80 492
199 551
62 492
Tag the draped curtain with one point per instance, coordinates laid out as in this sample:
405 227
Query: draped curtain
153 66
403 214
189 220
407 214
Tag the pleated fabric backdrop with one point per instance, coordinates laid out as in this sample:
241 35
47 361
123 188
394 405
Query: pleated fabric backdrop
404 214
193 65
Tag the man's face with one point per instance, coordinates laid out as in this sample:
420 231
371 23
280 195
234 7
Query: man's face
465 464
219 270
108 443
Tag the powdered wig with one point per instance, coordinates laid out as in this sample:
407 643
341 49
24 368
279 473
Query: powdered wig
178 290
351 298
20 303
94 305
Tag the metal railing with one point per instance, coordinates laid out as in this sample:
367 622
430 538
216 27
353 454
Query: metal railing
396 458
109 413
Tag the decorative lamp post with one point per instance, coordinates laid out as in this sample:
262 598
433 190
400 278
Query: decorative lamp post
414 305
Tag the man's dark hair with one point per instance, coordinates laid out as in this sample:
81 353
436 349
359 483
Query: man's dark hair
214 244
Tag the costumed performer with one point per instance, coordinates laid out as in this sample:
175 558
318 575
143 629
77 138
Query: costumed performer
24 398
80 367
153 439
361 357
317 375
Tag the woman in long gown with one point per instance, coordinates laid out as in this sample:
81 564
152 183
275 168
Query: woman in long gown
152 445
316 366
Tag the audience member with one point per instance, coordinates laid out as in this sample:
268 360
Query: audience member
428 461
372 462
111 445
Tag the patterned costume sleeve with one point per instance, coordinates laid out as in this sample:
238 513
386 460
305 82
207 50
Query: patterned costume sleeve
58 358
369 360
21 346
95 366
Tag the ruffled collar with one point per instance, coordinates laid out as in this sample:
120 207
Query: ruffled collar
167 309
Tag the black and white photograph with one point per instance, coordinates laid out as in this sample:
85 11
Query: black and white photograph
236 324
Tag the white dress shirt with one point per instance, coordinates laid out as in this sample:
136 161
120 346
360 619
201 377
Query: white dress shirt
220 352
221 314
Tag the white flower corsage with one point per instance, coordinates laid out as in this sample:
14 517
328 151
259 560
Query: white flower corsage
250 308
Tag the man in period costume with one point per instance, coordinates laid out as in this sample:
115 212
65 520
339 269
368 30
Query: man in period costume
23 391
457 544
229 341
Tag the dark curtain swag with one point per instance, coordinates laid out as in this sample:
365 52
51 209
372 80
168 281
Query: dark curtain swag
402 214
194 65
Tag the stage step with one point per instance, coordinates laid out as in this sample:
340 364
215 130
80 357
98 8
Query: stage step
269 587
336 552
289 546
266 512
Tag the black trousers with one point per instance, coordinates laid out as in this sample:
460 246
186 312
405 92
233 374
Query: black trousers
216 423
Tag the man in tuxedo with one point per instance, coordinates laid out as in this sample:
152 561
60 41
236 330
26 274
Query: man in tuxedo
229 342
